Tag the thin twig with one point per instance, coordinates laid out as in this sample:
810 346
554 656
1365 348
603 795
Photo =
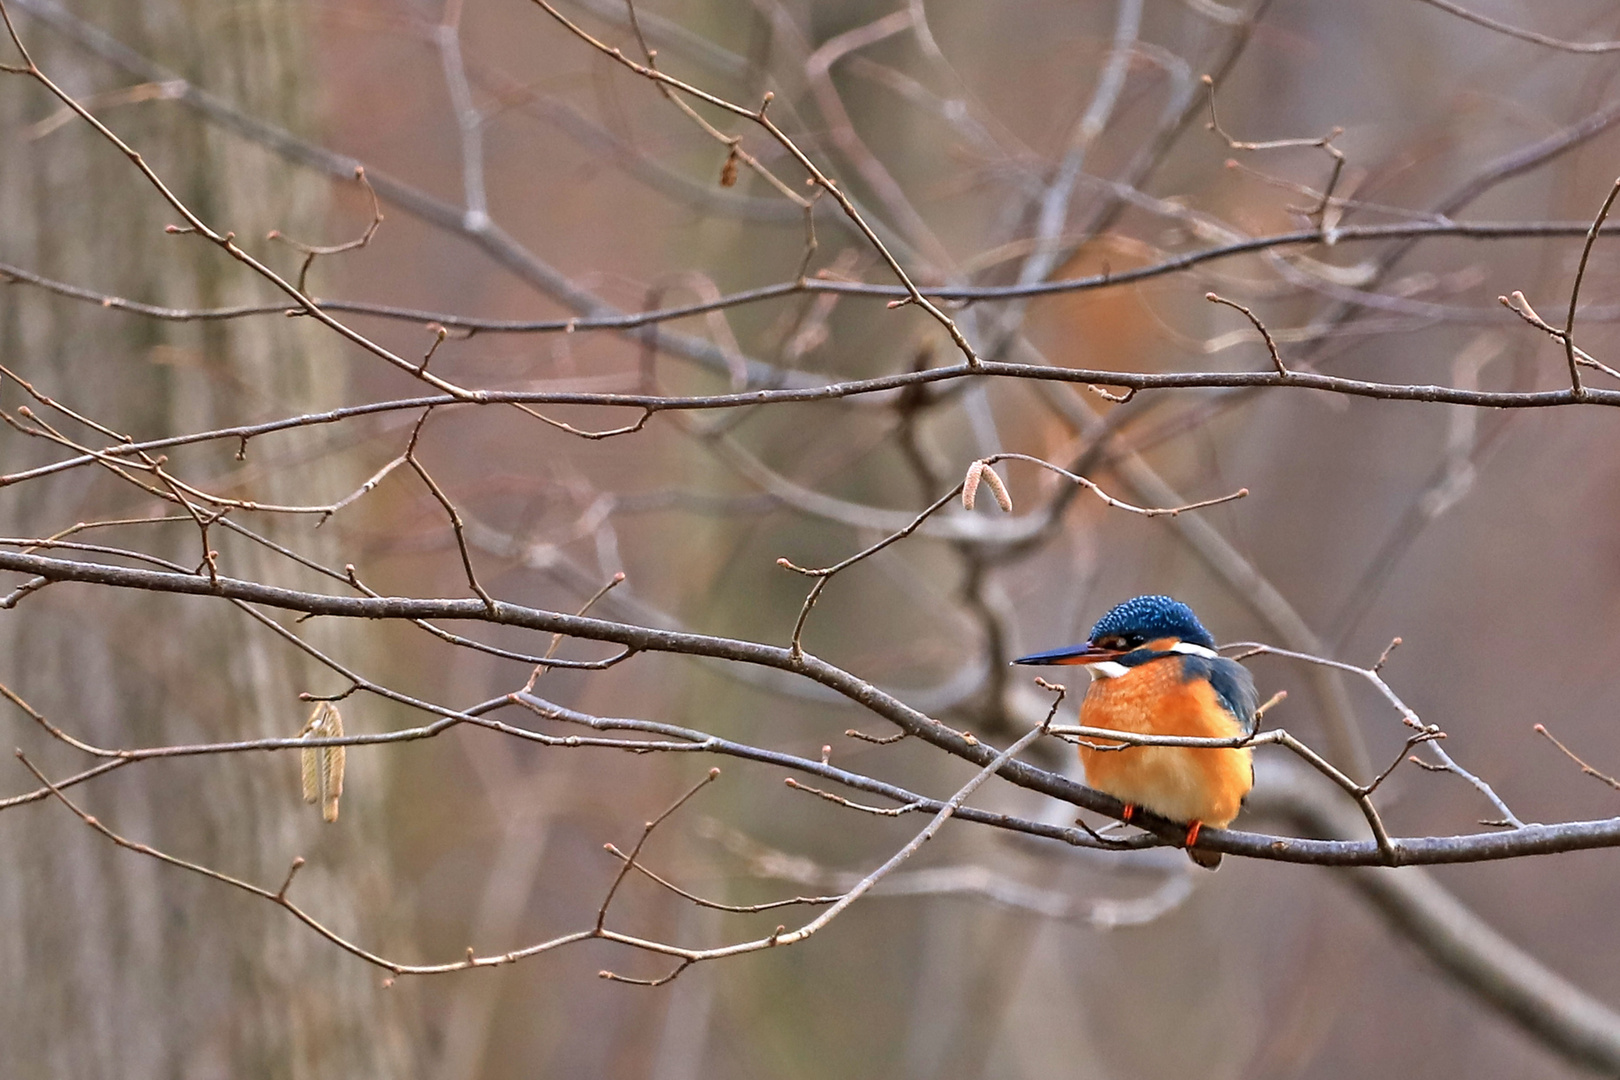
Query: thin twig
1575 290
1541 729
1325 144
1271 346
646 831
1118 504
1588 47
312 252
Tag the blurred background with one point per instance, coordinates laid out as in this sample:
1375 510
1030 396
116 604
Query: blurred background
526 176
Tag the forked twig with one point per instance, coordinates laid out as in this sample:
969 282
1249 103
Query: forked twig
312 252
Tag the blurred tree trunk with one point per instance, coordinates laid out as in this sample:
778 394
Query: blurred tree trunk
207 982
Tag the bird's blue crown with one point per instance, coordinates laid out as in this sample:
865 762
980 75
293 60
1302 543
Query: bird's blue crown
1149 617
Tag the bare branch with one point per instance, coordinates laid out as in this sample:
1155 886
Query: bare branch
1587 47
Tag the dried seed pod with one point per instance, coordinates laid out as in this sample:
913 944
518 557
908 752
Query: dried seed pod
1003 499
322 766
970 486
311 770
332 782
309 760
333 758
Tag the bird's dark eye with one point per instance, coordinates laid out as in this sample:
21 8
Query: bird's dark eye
1115 643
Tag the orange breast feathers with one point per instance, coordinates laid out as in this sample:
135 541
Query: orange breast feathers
1181 783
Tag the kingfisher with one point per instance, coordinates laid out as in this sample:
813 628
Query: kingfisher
1154 671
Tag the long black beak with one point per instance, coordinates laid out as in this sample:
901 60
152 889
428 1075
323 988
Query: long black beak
1084 653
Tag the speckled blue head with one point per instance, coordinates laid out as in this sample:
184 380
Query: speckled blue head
1148 618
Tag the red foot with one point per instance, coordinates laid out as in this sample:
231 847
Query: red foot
1128 813
1192 832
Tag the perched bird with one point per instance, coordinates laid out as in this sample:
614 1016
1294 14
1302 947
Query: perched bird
1154 671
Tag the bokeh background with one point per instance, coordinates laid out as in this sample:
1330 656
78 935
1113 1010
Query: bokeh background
542 171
